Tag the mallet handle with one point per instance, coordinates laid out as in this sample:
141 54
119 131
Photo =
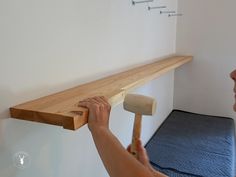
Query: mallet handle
136 134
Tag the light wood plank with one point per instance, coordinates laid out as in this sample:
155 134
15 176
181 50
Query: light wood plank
62 108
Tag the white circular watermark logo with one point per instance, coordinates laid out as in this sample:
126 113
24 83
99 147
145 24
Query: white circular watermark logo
21 160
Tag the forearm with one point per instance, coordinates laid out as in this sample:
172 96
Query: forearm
118 162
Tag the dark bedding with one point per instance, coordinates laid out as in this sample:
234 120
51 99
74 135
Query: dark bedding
189 144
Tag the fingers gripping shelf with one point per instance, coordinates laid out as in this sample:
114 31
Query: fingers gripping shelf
62 109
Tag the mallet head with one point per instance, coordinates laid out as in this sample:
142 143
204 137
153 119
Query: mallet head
139 104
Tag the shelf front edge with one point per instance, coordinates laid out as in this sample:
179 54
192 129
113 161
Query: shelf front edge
70 122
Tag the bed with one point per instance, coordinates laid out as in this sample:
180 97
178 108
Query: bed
189 144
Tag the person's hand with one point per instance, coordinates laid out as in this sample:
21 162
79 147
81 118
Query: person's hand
99 112
142 154
144 159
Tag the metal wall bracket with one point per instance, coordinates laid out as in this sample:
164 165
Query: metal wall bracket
139 2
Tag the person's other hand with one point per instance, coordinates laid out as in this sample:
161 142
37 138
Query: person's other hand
142 154
99 112
144 159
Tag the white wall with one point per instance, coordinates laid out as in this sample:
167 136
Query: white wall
47 46
206 31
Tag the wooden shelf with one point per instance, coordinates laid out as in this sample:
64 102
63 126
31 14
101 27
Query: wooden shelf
62 109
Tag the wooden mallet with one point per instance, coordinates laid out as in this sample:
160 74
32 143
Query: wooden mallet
140 105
